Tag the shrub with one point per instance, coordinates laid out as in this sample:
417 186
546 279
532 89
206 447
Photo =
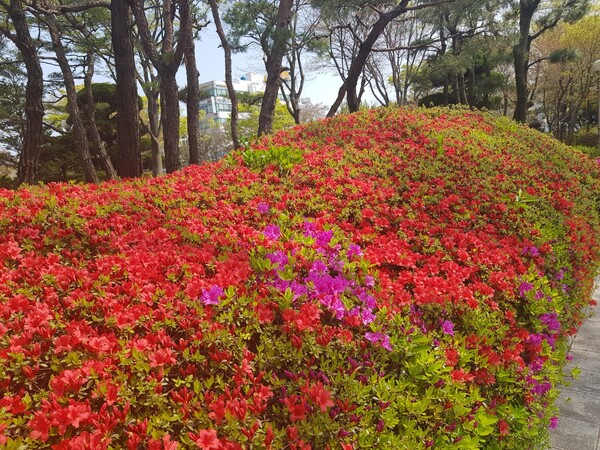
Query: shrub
390 279
586 138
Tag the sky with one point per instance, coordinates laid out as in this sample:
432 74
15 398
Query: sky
322 87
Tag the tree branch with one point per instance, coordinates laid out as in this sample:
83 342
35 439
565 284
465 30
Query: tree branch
63 9
53 128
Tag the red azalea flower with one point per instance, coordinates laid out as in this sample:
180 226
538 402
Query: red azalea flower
319 395
269 436
39 425
75 414
3 438
206 440
161 357
451 356
503 428
461 376
296 409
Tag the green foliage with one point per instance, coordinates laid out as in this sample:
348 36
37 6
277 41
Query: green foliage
248 119
563 55
7 182
284 158
587 142
251 22
12 101
59 160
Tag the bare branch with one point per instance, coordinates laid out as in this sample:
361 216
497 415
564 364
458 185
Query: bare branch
427 5
63 9
11 63
53 128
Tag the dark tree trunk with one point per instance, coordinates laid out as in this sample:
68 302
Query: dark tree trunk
520 63
90 112
273 66
81 143
521 57
34 90
293 85
193 97
356 67
446 81
228 73
169 102
446 92
129 160
167 63
455 89
471 88
462 88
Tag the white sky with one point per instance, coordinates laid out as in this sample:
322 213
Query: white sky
322 87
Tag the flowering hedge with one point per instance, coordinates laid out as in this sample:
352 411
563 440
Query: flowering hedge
391 279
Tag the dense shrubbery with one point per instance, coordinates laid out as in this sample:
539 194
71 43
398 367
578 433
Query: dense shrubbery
587 142
392 279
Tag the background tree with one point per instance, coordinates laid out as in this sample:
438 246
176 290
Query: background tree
80 134
250 117
385 12
90 119
345 33
535 18
408 42
89 34
273 65
192 102
12 104
105 98
567 83
304 40
265 23
166 62
310 111
150 83
34 90
227 52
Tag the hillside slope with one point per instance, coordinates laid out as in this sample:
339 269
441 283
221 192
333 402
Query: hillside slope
390 279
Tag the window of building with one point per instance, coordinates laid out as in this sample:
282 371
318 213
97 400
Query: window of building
217 92
207 108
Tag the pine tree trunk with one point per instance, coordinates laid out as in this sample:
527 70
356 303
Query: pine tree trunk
471 88
152 93
193 98
462 93
90 112
520 63
228 73
166 63
169 102
129 160
446 92
81 143
273 66
521 58
34 90
154 130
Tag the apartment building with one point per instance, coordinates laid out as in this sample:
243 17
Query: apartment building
215 99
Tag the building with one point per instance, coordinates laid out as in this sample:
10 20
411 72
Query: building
215 99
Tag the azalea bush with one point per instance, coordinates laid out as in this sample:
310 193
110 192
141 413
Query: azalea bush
391 279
